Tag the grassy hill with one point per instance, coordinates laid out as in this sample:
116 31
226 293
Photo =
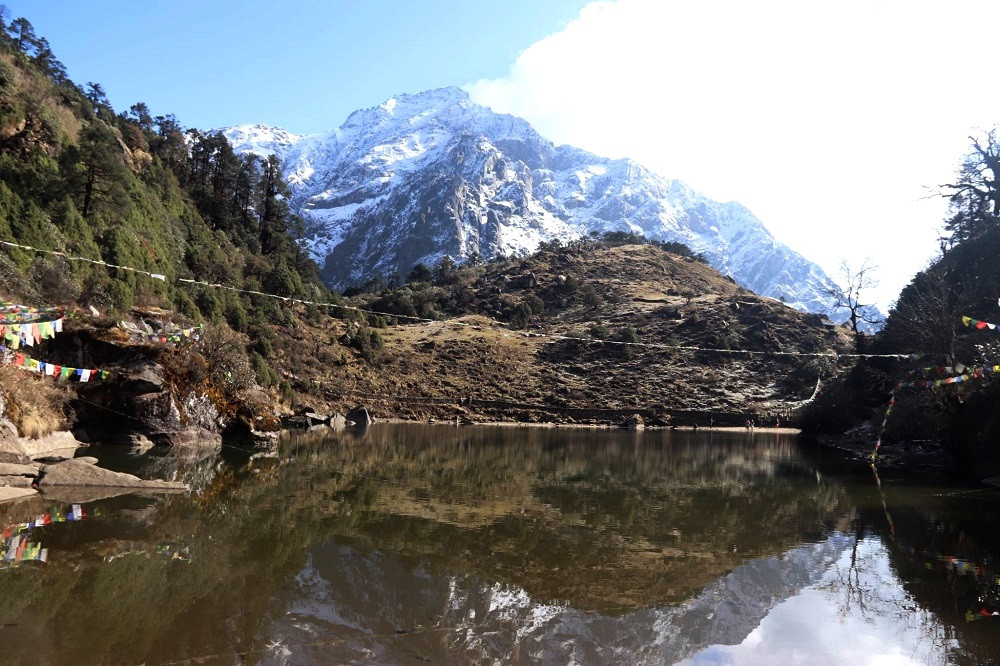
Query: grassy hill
500 345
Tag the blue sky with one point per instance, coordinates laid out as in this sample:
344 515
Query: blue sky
301 65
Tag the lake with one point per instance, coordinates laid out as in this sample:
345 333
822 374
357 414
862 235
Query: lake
405 544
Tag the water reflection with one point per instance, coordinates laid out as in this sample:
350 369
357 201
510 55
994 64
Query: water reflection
417 543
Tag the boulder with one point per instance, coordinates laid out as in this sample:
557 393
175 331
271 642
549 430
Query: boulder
661 421
360 416
76 473
315 418
633 422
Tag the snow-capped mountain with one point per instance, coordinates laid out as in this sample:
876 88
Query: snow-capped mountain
425 175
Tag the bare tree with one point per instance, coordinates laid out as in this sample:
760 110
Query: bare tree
849 297
974 196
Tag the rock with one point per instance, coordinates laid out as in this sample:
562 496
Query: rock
16 481
11 469
141 377
8 494
662 421
7 427
90 460
263 437
23 450
316 418
633 422
202 413
76 473
360 416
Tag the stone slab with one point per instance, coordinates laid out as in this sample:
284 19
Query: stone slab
16 481
13 469
9 494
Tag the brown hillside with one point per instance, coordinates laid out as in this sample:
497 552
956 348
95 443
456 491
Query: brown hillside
595 292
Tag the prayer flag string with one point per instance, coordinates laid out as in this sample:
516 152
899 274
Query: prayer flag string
300 301
61 372
975 323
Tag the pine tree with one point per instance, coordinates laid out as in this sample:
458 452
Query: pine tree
101 168
274 209
22 34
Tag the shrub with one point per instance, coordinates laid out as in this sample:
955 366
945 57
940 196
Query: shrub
629 335
599 332
266 376
536 304
369 343
591 297
228 365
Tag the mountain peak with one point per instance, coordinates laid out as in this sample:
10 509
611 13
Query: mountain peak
430 174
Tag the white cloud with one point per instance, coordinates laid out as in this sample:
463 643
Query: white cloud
828 120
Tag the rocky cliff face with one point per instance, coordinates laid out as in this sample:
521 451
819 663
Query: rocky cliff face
433 174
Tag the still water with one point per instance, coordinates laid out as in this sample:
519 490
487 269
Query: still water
434 544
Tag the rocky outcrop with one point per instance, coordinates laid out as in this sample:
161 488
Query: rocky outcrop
80 473
140 399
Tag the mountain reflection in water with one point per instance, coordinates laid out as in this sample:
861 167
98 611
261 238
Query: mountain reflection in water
408 543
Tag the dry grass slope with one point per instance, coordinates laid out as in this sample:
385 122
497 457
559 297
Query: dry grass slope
599 293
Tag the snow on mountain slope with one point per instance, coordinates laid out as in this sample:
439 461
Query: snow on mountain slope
432 174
